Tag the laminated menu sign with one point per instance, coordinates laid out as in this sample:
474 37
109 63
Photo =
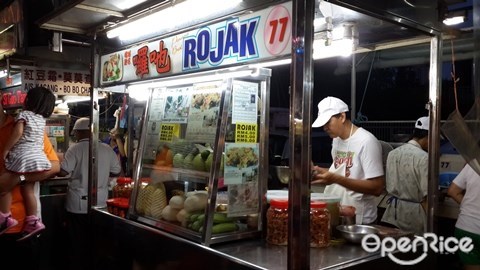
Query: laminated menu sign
156 112
168 132
244 102
243 199
177 104
246 133
204 112
241 163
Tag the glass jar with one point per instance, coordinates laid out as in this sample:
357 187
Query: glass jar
277 222
319 224
123 188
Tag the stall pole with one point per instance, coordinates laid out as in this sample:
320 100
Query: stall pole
476 46
353 89
435 89
301 74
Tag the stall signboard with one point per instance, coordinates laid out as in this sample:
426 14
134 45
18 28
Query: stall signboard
258 36
13 97
61 81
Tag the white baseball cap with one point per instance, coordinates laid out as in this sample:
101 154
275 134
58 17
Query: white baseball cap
327 108
82 124
422 123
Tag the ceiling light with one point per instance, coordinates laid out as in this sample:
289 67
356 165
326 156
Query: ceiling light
454 20
168 18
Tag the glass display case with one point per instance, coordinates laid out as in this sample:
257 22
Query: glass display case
202 165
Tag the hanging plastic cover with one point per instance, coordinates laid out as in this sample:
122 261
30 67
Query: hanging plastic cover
464 134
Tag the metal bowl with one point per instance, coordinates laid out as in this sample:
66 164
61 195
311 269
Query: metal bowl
283 173
355 233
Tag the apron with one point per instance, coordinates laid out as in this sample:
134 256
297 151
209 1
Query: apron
347 197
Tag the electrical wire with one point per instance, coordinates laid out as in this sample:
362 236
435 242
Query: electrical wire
360 117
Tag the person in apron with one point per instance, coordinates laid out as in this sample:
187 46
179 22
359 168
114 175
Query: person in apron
407 182
356 174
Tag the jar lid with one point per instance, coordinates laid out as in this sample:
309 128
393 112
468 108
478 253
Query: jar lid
124 180
318 204
279 203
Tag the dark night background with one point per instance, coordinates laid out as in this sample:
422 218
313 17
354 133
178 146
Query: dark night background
396 93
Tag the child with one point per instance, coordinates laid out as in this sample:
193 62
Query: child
23 154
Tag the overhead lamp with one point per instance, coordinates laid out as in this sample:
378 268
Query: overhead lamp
454 20
171 17
340 41
455 17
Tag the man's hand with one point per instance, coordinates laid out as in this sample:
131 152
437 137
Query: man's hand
322 176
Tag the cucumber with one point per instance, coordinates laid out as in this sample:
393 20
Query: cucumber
224 227
201 217
196 225
193 217
221 218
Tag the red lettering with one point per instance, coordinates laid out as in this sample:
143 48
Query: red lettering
161 59
140 61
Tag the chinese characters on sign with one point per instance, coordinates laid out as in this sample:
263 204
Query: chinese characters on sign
256 36
60 81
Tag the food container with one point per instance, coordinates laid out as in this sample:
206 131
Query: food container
319 224
277 222
333 206
122 207
110 205
123 188
118 206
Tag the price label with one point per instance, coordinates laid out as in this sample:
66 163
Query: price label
278 30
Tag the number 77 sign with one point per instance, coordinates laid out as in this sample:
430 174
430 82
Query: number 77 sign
278 30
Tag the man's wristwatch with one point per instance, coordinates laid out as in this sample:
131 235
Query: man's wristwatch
22 179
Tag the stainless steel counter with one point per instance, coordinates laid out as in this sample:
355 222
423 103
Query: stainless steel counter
158 247
266 256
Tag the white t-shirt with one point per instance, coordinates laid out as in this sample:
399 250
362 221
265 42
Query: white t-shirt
469 217
362 155
76 161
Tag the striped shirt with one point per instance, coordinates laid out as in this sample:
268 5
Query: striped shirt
27 154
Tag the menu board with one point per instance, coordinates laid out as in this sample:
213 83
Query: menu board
244 102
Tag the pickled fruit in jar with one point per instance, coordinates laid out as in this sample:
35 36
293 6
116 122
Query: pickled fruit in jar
277 222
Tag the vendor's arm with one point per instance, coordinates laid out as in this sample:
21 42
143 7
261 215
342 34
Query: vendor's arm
455 192
373 186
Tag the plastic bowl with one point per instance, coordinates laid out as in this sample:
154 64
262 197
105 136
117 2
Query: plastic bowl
355 233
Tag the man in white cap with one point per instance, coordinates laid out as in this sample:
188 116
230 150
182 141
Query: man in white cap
356 174
76 162
407 181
